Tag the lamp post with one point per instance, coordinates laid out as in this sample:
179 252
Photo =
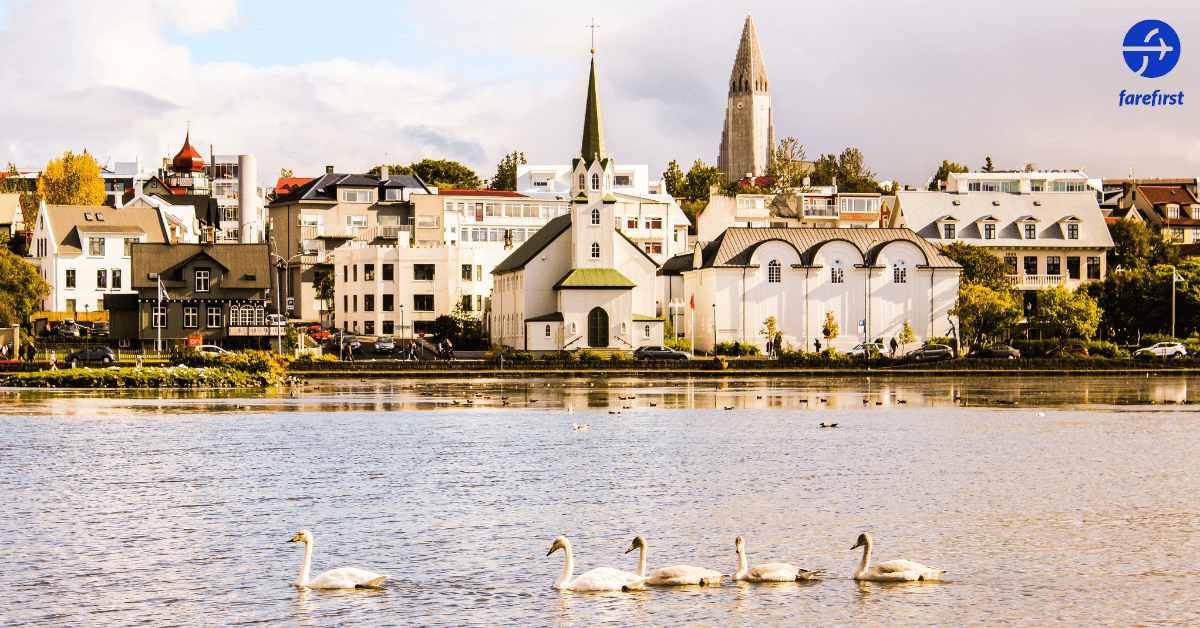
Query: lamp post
1174 280
714 347
402 337
675 305
280 299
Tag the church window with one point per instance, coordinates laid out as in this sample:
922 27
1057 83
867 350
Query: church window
547 331
595 250
899 273
608 181
646 332
574 329
774 272
582 181
595 181
624 329
595 216
836 272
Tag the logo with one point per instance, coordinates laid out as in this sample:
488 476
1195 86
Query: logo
1151 48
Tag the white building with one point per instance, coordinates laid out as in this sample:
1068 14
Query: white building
812 208
881 277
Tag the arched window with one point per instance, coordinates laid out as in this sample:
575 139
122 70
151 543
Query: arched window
574 329
836 273
595 181
260 315
899 273
646 332
774 273
547 331
595 250
595 215
624 329
608 181
582 181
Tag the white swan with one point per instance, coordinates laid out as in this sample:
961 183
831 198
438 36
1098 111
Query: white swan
770 572
579 427
677 576
601 579
344 578
892 570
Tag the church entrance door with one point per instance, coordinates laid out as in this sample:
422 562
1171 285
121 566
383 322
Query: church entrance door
597 328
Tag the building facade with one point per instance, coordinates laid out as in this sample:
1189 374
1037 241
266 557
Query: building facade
748 137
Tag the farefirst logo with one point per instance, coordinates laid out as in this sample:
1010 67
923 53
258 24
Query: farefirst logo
1151 50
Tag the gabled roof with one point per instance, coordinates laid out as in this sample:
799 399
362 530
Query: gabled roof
1161 194
594 278
10 204
65 218
287 184
206 206
534 245
735 246
247 264
324 188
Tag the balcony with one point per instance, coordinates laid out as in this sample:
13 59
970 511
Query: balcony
821 211
400 233
1036 281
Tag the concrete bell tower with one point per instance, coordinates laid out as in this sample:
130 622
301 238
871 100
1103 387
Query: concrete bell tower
748 138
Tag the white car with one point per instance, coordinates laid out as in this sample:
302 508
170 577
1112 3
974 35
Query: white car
212 350
1162 350
861 348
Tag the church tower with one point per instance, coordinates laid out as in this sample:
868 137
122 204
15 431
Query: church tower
591 190
749 134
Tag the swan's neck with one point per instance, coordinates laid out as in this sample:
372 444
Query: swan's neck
866 561
743 568
303 579
642 562
568 568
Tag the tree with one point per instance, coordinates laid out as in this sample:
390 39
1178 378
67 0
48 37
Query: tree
285 173
12 183
987 167
1136 246
1066 313
506 172
830 328
324 286
980 266
393 169
787 166
943 173
1137 302
698 182
21 289
906 336
984 312
445 174
673 178
71 180
850 170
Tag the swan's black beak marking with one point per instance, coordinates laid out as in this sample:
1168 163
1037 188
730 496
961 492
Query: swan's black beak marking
629 550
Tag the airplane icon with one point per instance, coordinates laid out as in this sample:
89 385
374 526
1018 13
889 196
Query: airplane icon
1162 48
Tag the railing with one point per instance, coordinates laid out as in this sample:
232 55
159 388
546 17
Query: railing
572 341
624 341
1036 281
824 211
389 232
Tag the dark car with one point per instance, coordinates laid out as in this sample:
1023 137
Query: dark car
91 355
100 328
932 352
658 352
998 351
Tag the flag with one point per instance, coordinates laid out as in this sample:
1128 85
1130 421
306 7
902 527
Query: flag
162 291
1177 277
693 301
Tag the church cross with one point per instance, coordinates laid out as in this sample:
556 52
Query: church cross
593 26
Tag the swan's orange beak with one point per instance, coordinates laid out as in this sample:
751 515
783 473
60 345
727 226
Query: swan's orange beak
295 539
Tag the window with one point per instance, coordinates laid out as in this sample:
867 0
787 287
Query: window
389 327
1030 231
595 250
116 279
623 179
95 246
1037 186
202 279
547 331
355 271
574 329
345 304
429 222
1072 231
582 181
158 318
654 223
466 272
607 181
423 272
356 221
310 246
311 220
466 303
70 277
1053 265
358 196
899 272
354 303
653 248
631 223
214 318
1093 268
369 327
1069 186
1011 262
989 231
368 303
71 305
595 216
368 272
393 194
129 246
102 279
836 272
389 272
646 332
191 316
1031 265
1172 211
774 272
595 181
1073 267
389 303
422 302
479 271
948 230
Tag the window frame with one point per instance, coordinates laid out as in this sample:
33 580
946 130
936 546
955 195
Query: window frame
213 312
203 280
191 316
774 272
595 250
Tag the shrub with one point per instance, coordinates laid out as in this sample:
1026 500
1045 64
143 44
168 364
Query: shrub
588 356
520 356
736 349
259 362
682 344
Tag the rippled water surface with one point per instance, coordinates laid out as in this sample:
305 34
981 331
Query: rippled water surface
1049 501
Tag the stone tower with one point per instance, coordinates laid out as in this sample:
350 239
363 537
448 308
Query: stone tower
749 135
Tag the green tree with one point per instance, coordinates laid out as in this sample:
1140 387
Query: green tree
692 209
906 336
447 175
71 180
1136 246
980 266
988 167
787 165
1138 302
285 173
830 328
506 172
849 168
1066 313
394 169
21 289
324 287
698 182
943 173
984 312
673 178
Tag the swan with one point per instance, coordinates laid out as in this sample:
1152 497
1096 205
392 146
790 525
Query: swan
344 578
579 427
570 408
600 579
677 576
771 572
892 570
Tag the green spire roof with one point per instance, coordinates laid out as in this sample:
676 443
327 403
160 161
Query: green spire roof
593 124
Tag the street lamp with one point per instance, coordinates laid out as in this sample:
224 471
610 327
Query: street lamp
1175 278
402 322
280 298
714 347
675 305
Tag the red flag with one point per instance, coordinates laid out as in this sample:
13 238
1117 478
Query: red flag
693 301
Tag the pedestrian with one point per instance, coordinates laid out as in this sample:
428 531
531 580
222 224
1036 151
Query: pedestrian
778 344
53 361
894 344
449 350
817 344
737 349
31 351
4 351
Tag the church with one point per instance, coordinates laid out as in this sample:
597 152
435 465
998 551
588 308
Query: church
579 282
748 138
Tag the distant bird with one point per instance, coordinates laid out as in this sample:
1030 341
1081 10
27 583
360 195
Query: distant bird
533 401
901 401
824 401
653 405
570 408
614 412
760 396
804 401
729 407
879 403
829 425
579 427
866 401
1040 414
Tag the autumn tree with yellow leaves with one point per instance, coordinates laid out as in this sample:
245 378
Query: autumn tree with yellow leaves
71 180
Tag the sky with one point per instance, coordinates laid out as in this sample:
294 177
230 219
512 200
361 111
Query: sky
355 84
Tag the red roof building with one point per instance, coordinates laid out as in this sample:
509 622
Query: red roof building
188 159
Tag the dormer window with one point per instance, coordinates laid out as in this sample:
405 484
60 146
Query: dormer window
357 196
1072 231
989 231
1030 231
582 181
948 231
1172 211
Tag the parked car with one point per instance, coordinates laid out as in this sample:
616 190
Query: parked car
932 352
998 351
213 350
91 355
659 352
275 320
100 328
347 340
67 327
316 332
385 344
862 347
1162 350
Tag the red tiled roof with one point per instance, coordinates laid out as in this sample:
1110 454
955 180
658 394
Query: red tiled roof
497 193
1189 250
1159 194
291 183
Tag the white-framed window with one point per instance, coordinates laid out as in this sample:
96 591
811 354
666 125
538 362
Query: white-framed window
70 277
116 279
128 246
624 180
1172 211
623 329
393 194
214 317
595 216
989 231
1070 186
595 181
356 220
837 272
582 181
595 250
202 276
358 196
191 316
608 181
774 272
1072 231
900 272
158 317
653 248
311 220
429 222
547 331
574 329
96 247
646 332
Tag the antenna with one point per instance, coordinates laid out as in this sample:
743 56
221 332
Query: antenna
593 26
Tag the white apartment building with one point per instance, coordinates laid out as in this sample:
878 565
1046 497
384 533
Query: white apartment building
820 207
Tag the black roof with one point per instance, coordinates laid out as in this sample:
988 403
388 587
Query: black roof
324 188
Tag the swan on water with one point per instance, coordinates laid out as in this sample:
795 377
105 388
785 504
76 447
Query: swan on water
892 570
677 576
344 578
771 572
579 427
600 579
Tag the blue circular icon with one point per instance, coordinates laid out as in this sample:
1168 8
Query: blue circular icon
1151 48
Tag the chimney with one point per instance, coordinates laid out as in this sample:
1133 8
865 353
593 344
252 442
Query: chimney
328 169
383 173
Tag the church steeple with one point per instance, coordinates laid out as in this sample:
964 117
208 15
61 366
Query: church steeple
749 134
749 72
593 124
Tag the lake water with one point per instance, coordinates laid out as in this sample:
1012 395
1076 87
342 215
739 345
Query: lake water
124 509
